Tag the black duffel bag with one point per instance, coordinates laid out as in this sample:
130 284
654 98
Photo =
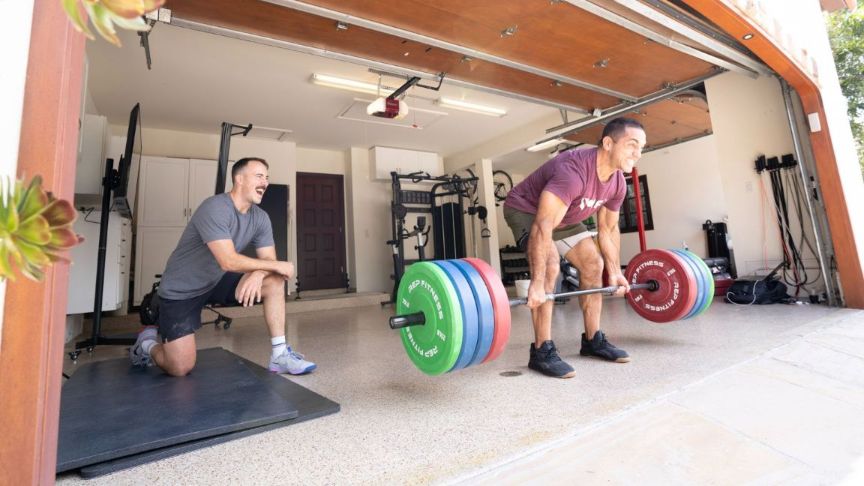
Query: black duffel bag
149 310
765 291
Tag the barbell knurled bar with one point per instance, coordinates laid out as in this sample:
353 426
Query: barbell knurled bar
418 318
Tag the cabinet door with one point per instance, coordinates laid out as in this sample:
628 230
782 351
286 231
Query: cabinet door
429 162
153 247
163 194
202 181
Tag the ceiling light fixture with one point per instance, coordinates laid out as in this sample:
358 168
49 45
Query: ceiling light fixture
470 107
545 145
349 84
747 36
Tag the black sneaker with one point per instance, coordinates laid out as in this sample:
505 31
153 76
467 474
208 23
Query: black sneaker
546 361
599 347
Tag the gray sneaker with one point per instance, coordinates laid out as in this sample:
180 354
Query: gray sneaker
136 352
292 363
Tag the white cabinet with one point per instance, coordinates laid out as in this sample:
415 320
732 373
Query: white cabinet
171 189
387 159
202 182
82 272
163 200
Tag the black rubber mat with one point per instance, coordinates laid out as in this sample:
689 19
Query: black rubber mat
309 405
109 409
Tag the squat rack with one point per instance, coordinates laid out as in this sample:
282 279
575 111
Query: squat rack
417 201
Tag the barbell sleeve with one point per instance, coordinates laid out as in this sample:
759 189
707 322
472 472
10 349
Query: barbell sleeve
416 319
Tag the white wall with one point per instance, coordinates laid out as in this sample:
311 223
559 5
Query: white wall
281 156
685 190
369 210
503 144
749 119
321 161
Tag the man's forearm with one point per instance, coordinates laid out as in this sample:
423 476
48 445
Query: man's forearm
610 247
537 248
240 263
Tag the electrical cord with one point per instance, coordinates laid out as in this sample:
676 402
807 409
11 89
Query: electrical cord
795 272
797 184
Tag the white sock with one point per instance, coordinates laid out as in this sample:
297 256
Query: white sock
147 345
278 346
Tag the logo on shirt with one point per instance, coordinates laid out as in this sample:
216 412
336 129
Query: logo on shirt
590 203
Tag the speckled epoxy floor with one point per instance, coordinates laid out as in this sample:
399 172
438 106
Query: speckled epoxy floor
400 426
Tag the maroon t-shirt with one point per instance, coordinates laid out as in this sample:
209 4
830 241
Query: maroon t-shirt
572 176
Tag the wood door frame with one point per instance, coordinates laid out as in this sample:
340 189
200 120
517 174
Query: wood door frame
343 243
34 326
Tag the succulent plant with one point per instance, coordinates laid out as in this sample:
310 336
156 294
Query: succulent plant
105 14
35 228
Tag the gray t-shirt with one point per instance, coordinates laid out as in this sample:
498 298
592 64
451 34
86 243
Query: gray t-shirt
192 270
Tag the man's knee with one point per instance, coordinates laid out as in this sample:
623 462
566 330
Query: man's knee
587 259
179 368
591 269
177 364
179 356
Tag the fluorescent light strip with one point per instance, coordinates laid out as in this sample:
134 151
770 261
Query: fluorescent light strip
545 145
470 107
349 84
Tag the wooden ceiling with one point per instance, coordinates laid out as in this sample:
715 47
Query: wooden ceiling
548 36
673 120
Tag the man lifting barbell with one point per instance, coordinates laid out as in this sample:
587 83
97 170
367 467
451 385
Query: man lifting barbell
545 212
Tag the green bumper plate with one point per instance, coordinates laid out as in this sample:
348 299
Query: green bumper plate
434 346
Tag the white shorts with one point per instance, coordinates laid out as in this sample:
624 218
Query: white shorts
564 245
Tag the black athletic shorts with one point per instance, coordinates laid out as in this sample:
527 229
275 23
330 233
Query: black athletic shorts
178 318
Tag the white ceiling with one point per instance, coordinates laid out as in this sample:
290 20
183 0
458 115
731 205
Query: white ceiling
199 80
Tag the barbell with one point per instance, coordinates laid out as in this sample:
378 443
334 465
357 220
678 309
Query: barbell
456 313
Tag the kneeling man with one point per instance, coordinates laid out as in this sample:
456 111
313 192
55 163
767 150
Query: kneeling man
206 268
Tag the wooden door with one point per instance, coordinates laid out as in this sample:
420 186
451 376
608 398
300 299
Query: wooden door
320 231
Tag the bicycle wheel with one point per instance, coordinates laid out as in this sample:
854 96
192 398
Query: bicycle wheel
503 183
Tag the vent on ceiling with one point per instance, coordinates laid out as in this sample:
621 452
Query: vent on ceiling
417 118
267 133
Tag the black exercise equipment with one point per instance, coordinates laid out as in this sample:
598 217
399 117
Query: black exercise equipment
114 187
224 149
718 244
407 201
449 234
145 415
